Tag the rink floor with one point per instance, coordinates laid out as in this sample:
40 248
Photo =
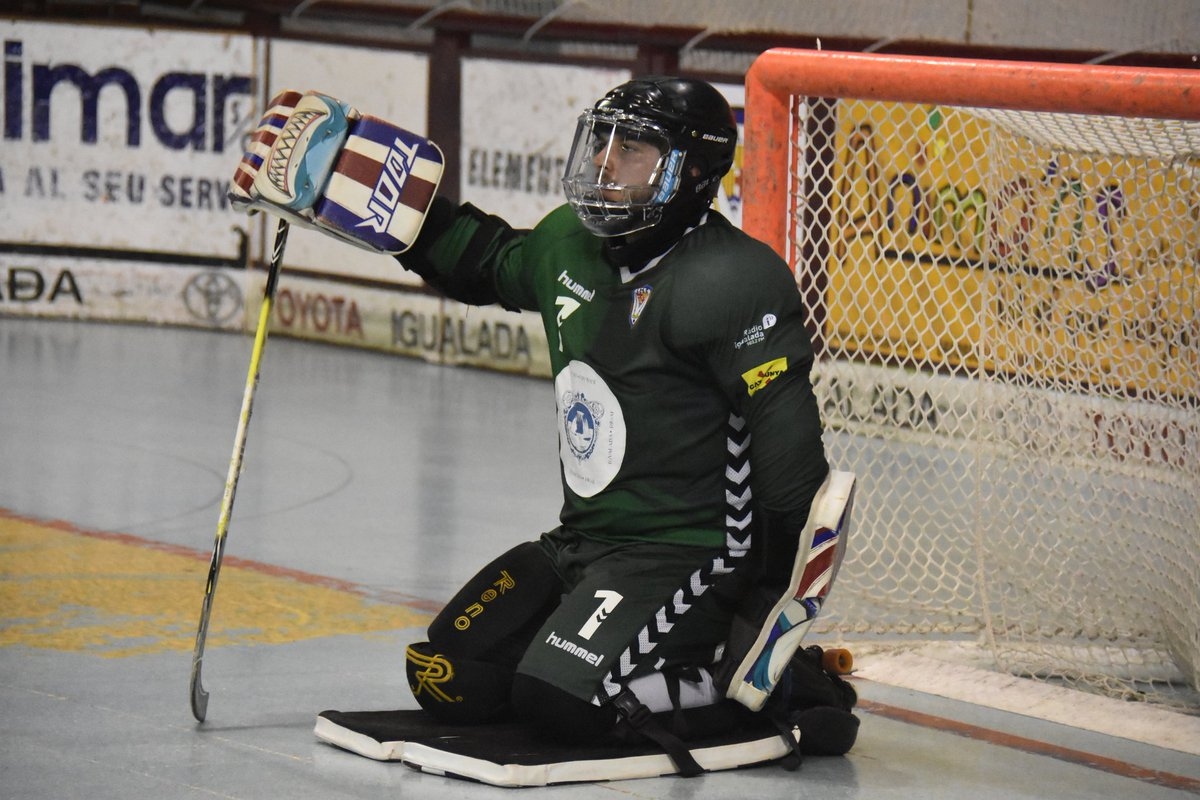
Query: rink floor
372 487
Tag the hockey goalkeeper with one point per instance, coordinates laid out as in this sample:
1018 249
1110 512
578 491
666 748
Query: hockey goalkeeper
689 438
701 525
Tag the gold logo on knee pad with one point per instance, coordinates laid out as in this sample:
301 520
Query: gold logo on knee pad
430 671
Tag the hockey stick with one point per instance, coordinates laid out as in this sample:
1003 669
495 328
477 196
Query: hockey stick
196 689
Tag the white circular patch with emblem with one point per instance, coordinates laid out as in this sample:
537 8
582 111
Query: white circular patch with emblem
591 432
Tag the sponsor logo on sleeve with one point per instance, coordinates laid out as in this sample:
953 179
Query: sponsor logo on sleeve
757 333
758 378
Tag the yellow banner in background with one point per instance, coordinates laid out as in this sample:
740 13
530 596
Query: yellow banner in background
956 244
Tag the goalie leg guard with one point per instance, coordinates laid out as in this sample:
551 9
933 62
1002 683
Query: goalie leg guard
758 650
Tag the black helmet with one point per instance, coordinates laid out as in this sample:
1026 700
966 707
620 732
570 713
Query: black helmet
686 134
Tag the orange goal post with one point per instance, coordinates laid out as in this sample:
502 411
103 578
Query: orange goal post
1001 266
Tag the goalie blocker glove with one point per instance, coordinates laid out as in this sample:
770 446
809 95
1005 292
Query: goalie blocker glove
318 163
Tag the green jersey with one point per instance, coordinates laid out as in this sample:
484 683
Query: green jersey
659 374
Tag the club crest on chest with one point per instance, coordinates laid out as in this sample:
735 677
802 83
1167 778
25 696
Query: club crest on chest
641 296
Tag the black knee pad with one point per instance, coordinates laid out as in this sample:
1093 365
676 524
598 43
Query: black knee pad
500 608
456 689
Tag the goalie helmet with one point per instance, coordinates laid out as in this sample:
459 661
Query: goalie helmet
649 157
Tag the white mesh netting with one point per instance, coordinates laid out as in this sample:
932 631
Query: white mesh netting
1010 360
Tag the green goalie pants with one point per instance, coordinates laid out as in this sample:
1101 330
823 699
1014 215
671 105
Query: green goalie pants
577 616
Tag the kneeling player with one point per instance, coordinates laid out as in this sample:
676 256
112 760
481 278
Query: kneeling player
701 526
689 438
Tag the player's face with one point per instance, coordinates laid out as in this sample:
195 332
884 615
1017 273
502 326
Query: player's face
621 171
627 162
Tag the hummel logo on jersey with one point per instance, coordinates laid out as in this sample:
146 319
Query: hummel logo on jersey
608 601
575 288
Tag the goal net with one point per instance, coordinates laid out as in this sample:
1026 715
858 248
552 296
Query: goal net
1001 264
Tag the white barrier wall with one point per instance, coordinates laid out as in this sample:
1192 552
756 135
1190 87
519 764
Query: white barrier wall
119 144
115 158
